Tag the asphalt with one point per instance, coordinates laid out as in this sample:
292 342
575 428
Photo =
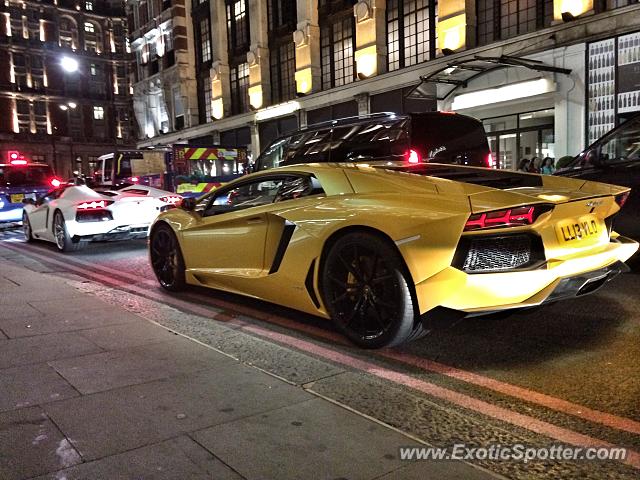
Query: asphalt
91 390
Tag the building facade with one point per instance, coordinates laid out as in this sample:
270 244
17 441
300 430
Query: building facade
545 76
65 90
165 97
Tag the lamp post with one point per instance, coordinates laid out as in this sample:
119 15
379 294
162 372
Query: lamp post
69 66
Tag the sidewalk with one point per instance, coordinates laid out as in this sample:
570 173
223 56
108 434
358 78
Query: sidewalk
91 391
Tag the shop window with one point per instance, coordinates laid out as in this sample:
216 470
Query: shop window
205 41
239 88
336 50
237 25
410 32
501 19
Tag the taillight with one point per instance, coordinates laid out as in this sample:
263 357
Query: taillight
622 199
55 183
491 162
511 217
135 179
173 199
95 205
412 156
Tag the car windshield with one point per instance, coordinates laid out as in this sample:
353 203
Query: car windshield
25 175
619 146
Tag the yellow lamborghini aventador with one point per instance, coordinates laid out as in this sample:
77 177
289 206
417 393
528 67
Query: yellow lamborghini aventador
374 249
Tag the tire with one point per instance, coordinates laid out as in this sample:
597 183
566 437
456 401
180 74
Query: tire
26 228
61 235
366 290
166 258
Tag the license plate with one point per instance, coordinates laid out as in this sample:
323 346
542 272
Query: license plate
17 197
585 229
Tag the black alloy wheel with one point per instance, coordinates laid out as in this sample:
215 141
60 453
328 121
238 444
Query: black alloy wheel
166 258
366 291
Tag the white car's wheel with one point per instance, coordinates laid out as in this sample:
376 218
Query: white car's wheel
26 227
61 236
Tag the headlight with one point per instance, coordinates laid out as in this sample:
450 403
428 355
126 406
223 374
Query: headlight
1 204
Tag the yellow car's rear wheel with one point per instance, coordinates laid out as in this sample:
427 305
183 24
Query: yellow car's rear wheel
366 291
166 258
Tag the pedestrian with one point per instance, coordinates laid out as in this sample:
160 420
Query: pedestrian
548 166
523 166
534 165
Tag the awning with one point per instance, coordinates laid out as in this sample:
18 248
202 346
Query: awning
460 72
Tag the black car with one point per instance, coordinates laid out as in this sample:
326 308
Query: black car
413 138
615 158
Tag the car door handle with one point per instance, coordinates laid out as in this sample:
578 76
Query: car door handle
255 220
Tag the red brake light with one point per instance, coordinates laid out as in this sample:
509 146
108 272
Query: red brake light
412 156
95 205
55 183
135 179
173 199
512 217
491 162
622 199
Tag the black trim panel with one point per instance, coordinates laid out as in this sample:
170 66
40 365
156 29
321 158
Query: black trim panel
287 233
308 283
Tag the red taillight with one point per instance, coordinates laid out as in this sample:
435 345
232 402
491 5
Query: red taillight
412 156
512 217
19 161
622 199
491 162
135 179
95 205
172 199
55 183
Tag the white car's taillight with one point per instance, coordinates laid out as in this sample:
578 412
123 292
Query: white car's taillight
94 205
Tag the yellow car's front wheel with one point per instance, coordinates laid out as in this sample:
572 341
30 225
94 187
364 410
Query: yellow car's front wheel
366 291
166 258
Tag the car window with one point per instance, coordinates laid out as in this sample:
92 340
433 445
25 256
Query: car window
370 141
298 187
619 146
273 155
309 147
246 195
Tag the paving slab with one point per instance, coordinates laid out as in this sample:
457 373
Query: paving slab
66 306
145 363
313 439
179 458
35 323
131 334
19 310
30 444
29 385
437 470
42 348
126 418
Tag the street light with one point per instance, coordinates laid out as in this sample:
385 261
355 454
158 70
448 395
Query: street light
69 64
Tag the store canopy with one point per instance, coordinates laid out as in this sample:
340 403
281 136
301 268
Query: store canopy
460 72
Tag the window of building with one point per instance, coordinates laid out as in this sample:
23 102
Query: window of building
98 113
37 72
336 50
19 70
88 6
501 19
24 116
40 117
68 33
93 69
206 98
237 25
283 69
239 88
410 32
89 27
35 158
282 14
205 41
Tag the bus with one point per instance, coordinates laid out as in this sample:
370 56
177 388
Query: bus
130 167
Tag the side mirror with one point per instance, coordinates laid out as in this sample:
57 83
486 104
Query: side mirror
188 204
28 201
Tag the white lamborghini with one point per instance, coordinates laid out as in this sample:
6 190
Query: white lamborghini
71 216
